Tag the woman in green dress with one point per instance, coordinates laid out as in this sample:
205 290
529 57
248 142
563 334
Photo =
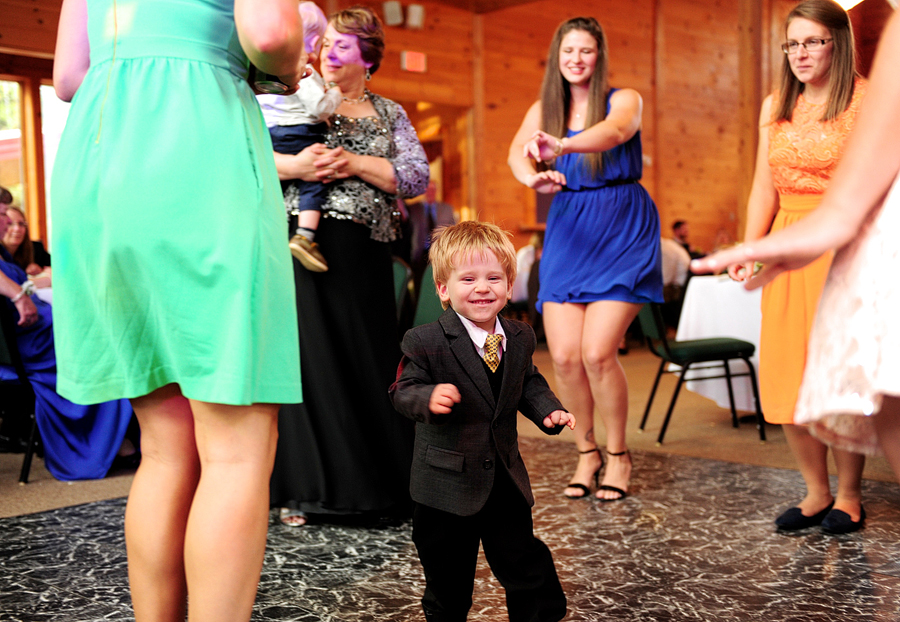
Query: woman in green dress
165 292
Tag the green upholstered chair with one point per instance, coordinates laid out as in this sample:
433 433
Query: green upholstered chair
403 285
428 305
687 353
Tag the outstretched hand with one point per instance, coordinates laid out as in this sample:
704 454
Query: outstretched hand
542 147
546 182
776 254
559 417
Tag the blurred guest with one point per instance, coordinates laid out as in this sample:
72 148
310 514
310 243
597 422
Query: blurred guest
675 268
80 442
680 233
525 258
425 216
28 254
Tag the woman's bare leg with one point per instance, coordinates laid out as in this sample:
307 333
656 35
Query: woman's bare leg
563 324
158 506
605 324
849 471
812 459
226 531
887 425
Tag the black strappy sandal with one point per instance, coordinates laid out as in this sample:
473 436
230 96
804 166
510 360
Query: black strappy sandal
582 487
622 493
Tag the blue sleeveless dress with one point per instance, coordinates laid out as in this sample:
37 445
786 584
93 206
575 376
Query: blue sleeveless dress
170 261
602 237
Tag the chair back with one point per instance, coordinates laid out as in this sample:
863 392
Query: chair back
403 284
654 329
428 306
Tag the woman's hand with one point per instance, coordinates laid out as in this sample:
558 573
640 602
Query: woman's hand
340 164
28 313
741 271
546 182
337 164
302 165
779 252
542 147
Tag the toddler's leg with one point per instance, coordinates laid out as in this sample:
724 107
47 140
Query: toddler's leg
448 549
522 563
303 247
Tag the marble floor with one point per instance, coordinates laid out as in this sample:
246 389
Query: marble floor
694 541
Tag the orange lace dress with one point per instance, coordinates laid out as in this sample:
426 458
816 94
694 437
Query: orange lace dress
803 154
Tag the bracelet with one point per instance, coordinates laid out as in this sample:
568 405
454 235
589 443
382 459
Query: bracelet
27 290
559 148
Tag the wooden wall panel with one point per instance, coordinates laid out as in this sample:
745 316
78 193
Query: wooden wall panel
28 27
698 129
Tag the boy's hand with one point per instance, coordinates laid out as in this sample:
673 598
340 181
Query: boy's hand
443 398
559 417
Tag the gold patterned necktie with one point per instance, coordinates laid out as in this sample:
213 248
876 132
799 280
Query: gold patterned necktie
492 351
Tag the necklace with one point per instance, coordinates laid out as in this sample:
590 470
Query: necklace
357 100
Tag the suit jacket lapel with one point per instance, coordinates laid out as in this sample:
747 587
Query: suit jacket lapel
512 357
464 350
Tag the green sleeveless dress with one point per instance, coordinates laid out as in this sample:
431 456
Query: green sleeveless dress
170 254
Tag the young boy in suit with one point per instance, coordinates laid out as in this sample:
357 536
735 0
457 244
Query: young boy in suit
463 388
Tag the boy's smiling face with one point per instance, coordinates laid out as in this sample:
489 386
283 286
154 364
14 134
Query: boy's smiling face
477 288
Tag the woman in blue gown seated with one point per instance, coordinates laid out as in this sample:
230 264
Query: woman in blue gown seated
80 442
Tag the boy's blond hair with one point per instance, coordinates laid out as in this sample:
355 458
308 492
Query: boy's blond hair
466 239
314 25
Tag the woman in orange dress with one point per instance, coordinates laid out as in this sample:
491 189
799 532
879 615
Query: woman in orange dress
803 127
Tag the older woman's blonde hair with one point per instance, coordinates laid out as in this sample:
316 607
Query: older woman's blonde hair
842 74
458 242
366 25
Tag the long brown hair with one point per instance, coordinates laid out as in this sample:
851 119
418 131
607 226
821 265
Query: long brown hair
842 74
24 255
556 97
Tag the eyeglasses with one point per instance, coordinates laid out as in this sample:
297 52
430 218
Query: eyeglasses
810 45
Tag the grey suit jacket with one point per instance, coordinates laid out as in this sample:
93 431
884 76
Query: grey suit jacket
456 455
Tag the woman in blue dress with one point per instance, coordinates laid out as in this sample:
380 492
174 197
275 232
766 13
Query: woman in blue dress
601 259
80 442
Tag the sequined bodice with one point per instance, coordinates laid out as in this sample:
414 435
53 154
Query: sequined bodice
804 152
388 135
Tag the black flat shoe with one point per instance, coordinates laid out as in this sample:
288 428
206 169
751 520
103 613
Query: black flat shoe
838 522
794 519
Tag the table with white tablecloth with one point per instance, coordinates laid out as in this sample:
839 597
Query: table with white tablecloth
716 306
